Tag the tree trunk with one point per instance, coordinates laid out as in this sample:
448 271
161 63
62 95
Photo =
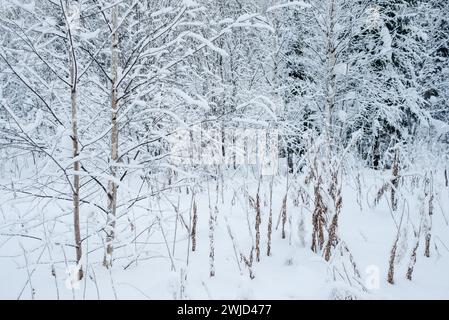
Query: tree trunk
76 185
270 218
258 222
376 153
112 186
75 151
330 77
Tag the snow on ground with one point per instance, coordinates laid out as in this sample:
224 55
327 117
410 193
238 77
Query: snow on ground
143 267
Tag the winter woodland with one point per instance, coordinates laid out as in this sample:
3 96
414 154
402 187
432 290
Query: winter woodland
212 149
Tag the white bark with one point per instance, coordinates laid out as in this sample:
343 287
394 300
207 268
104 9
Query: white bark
75 146
112 186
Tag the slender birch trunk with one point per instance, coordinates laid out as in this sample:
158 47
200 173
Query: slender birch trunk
112 186
270 218
76 182
330 77
212 217
258 222
75 148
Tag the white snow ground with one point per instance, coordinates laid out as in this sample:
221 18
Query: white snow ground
292 272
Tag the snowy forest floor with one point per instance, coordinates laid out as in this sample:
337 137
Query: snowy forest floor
151 257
